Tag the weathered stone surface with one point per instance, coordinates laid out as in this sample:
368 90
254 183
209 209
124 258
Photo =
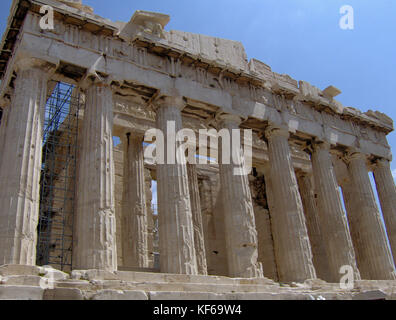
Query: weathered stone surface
95 225
292 247
21 293
176 235
134 214
63 294
370 295
184 296
143 286
266 252
147 77
19 269
336 239
240 227
387 196
316 240
197 219
20 166
120 295
22 280
53 274
93 275
373 255
213 224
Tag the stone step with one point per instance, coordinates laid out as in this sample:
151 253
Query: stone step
37 293
131 276
47 283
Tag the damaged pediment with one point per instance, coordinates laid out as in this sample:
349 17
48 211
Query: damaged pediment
145 23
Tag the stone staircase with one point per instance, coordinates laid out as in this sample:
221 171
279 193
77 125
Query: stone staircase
44 283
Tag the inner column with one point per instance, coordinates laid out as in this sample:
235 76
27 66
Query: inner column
305 184
240 226
197 219
134 212
176 235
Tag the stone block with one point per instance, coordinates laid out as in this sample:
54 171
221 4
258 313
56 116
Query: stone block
185 296
79 284
93 275
53 274
24 280
21 293
370 295
63 294
119 295
16 269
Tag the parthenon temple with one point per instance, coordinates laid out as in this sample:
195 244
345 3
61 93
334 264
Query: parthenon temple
77 219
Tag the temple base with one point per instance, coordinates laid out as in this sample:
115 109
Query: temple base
44 283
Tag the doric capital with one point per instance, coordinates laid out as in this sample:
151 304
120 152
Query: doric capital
274 130
170 101
382 163
227 120
351 155
92 78
320 145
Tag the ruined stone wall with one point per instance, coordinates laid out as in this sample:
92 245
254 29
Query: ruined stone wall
213 225
263 225
119 190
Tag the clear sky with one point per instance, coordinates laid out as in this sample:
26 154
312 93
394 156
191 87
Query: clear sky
299 37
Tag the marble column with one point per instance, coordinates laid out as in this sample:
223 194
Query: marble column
197 219
240 227
304 180
368 234
387 195
331 216
3 131
292 248
134 212
95 224
176 232
20 165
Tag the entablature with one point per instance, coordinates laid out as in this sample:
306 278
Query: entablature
148 66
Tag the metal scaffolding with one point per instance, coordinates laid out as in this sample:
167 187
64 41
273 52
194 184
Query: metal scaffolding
58 177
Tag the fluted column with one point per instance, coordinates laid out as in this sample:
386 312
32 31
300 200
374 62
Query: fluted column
197 219
307 192
95 226
3 131
20 165
269 190
134 213
373 254
292 247
332 218
240 226
176 232
387 196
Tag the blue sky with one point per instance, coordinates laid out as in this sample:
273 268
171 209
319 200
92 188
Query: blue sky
299 37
